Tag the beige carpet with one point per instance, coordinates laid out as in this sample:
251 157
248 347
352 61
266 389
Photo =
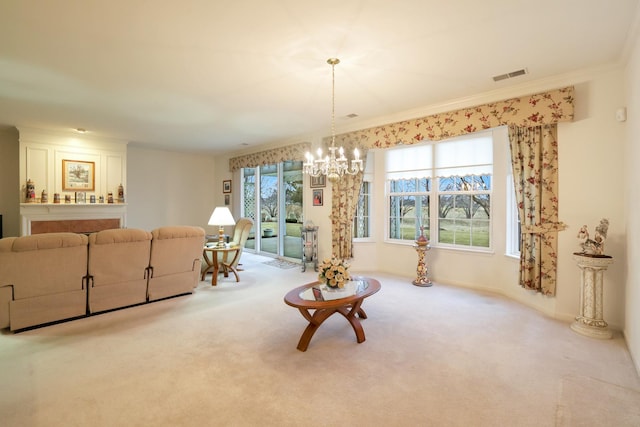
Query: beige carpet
226 356
585 399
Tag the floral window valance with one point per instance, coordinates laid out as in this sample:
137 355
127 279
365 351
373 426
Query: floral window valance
269 157
526 111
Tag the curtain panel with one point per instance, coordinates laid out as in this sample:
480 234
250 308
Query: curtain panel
532 110
534 156
344 201
269 157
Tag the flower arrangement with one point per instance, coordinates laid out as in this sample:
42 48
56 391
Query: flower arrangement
334 272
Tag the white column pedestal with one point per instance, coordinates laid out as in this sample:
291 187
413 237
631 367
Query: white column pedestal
590 322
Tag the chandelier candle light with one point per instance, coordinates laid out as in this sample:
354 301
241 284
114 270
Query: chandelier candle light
332 166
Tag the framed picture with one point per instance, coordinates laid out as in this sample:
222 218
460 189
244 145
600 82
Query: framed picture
317 197
78 175
227 199
226 186
318 181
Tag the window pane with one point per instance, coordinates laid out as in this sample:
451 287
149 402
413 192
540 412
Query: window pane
481 206
249 197
424 185
462 232
361 218
447 183
480 233
292 180
462 206
424 215
446 230
402 220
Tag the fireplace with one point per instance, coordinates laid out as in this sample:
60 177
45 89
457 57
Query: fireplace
39 218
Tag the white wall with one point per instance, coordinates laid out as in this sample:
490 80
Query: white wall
9 182
632 206
169 188
591 151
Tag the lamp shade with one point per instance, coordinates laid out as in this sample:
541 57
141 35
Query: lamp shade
221 216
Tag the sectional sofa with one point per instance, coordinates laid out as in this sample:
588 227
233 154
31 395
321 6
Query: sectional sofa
56 276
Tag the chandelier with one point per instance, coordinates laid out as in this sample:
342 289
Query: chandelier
333 166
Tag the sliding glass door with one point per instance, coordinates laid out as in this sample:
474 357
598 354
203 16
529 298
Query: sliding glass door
268 207
272 196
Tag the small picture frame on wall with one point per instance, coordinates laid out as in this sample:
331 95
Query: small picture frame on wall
78 175
227 199
318 181
317 197
226 186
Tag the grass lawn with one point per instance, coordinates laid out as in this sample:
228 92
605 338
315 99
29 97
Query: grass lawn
454 233
292 229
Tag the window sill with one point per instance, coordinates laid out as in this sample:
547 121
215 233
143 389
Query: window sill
364 240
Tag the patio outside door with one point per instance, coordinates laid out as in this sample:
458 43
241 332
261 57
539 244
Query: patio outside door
267 192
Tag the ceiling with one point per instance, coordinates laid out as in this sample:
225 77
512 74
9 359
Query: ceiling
226 75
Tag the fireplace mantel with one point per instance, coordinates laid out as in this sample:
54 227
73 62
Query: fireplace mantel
69 212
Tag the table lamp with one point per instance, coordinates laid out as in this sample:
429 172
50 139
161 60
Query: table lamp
221 216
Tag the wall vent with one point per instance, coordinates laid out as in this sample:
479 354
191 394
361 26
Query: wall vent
510 75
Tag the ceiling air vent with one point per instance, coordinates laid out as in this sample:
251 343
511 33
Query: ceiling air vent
510 75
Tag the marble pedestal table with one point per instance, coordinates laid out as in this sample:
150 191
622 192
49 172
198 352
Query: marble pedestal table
590 322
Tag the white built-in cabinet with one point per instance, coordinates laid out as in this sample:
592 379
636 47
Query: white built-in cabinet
43 151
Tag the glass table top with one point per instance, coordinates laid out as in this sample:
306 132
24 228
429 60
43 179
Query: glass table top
320 291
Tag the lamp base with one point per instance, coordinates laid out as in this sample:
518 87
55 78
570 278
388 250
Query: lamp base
221 243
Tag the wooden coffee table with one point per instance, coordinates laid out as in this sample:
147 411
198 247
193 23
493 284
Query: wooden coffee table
316 312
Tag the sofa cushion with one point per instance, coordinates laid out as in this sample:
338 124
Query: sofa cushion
120 235
48 241
42 278
175 260
175 232
118 261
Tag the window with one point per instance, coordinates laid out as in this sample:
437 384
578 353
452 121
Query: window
464 209
409 208
444 189
362 219
513 218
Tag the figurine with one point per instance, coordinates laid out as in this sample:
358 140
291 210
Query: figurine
31 192
422 239
593 246
120 194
